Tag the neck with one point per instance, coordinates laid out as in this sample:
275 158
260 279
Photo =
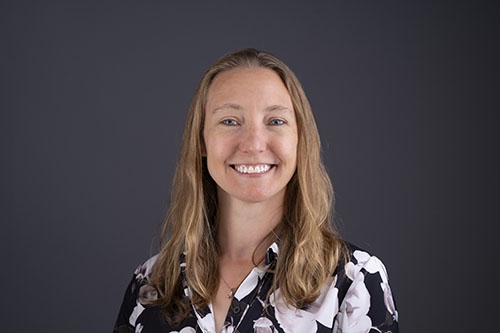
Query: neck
242 228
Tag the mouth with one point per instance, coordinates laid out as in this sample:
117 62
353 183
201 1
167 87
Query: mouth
252 169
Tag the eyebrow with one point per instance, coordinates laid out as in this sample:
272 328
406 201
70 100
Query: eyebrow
239 107
227 106
277 108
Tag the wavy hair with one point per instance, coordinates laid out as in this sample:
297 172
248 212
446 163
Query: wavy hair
310 249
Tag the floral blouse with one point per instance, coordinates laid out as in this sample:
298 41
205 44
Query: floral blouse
357 298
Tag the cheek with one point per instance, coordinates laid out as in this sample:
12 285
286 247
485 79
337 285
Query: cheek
217 152
289 148
209 145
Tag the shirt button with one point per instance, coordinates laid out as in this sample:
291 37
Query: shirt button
236 309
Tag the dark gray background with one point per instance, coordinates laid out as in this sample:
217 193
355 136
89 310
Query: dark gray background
93 100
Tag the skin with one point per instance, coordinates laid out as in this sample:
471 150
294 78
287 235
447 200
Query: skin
249 123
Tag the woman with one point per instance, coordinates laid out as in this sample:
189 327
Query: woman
248 244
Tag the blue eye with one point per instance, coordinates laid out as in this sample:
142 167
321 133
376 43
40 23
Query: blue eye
229 122
276 122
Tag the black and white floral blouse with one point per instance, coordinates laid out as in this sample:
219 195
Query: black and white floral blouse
356 299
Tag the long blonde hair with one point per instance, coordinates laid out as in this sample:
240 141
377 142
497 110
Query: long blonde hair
310 249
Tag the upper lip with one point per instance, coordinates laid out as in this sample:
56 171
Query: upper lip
250 164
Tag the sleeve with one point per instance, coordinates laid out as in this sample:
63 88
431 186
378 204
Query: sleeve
368 305
123 324
138 295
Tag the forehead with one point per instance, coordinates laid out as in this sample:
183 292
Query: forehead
257 84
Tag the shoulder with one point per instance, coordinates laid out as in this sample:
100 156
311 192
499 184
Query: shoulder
361 261
358 266
144 270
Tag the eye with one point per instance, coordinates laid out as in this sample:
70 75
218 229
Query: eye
276 122
229 122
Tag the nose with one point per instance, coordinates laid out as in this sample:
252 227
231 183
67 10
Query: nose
253 139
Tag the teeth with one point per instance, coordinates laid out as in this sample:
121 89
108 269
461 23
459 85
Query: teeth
252 169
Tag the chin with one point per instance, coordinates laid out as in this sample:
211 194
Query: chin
258 197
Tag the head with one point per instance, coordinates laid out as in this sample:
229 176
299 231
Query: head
308 148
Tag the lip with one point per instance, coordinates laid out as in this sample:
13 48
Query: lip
252 169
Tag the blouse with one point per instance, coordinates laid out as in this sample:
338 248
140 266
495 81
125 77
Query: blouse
357 298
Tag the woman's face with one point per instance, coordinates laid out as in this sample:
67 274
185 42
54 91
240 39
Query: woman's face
250 135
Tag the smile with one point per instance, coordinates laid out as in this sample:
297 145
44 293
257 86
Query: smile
260 168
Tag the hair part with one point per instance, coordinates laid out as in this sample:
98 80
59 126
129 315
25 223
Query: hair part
310 249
